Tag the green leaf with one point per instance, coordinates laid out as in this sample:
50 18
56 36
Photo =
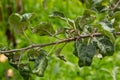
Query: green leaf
77 47
117 16
27 16
84 52
19 61
116 25
43 29
88 18
40 64
88 3
107 29
117 45
58 15
33 54
77 22
84 61
71 23
23 63
2 47
14 19
87 50
89 12
106 47
24 67
20 22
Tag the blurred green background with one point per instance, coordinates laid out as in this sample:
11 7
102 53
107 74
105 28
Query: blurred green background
107 68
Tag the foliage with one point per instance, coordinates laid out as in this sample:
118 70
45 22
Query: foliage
87 28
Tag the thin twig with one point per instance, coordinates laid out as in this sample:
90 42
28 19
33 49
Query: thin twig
24 33
53 43
116 5
44 4
50 52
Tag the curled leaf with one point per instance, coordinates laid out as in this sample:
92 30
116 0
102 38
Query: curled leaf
40 64
28 16
58 51
77 22
57 14
14 19
106 47
77 47
107 29
20 22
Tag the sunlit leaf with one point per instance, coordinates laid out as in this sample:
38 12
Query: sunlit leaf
106 47
27 16
107 29
20 22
